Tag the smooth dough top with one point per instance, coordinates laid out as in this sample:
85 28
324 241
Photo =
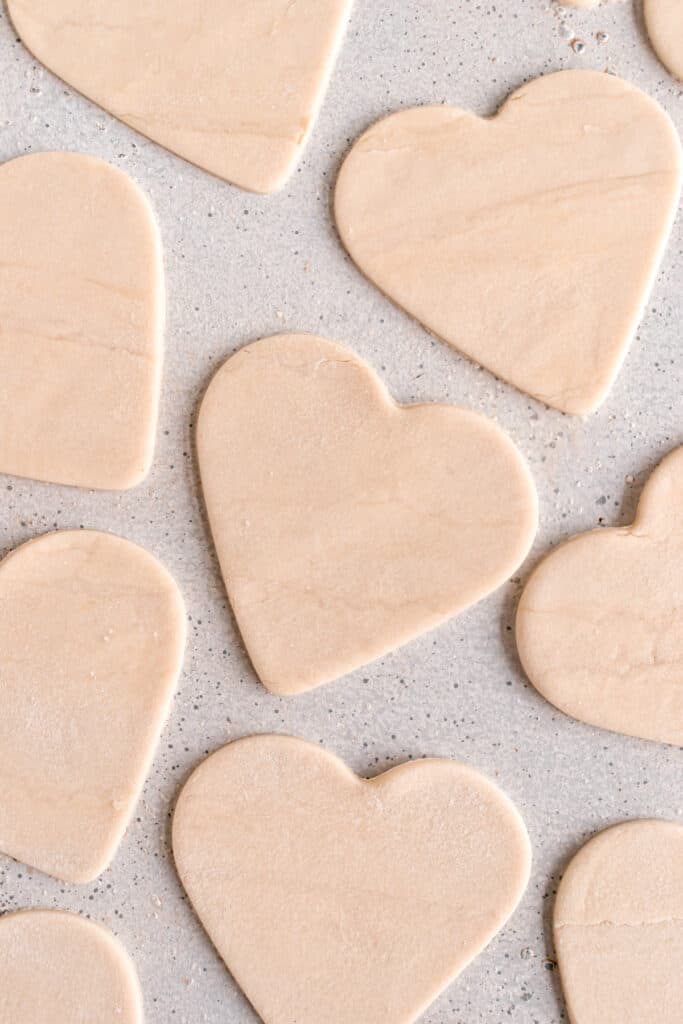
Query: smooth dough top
529 240
92 634
338 900
232 86
618 926
81 308
600 622
346 524
664 23
58 968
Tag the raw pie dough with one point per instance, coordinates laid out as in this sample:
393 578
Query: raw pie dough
81 310
529 241
92 632
600 622
58 968
346 524
232 85
339 900
619 926
664 23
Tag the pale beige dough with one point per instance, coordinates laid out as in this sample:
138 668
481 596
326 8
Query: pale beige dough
344 523
600 622
92 632
529 241
58 968
81 315
618 926
339 900
664 23
232 85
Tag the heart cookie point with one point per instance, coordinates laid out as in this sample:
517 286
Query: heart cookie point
348 900
92 635
345 524
529 241
618 926
81 306
232 87
600 622
56 966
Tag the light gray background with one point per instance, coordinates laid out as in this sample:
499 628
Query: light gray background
240 267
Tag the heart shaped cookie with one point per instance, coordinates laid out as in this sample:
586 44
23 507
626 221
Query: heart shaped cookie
345 524
81 308
600 622
233 87
92 632
664 23
58 967
529 241
619 926
332 898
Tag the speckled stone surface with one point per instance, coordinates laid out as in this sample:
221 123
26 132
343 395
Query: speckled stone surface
239 267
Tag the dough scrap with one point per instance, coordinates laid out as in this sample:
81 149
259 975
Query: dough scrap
58 968
618 926
345 524
232 87
600 622
92 634
664 24
332 898
529 241
81 308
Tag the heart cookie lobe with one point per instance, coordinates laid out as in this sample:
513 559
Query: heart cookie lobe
232 87
92 633
332 898
345 524
664 24
618 926
529 241
600 622
81 308
56 966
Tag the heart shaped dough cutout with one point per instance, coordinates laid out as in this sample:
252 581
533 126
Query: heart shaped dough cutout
332 898
81 308
600 622
619 926
92 633
664 23
346 524
529 241
58 968
233 87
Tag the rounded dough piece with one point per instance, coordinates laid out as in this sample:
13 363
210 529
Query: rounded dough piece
600 623
232 85
618 926
346 524
92 633
664 23
338 900
58 968
81 308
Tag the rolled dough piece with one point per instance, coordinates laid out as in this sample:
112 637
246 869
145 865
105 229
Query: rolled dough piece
332 898
600 622
233 86
58 968
528 241
346 524
664 23
619 926
81 308
92 633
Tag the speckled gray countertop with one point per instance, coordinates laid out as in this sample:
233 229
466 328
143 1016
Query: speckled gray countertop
240 267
